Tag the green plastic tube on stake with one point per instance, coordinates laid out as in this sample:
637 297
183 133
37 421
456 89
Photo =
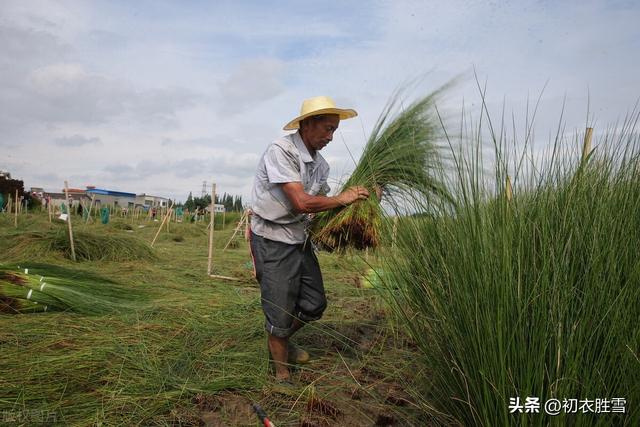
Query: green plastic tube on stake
104 215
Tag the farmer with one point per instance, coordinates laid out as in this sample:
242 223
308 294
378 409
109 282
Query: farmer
290 184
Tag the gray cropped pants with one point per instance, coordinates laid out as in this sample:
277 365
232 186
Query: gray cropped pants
290 283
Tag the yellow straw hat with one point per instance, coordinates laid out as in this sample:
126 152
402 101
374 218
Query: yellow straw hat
316 106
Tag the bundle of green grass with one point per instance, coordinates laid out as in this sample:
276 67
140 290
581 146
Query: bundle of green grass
28 290
401 158
89 246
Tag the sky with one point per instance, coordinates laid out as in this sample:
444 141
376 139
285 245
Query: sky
158 97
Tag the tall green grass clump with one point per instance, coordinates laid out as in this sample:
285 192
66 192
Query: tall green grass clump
531 296
89 246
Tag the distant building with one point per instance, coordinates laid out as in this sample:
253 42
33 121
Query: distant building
103 197
217 208
76 193
99 197
148 201
37 191
76 196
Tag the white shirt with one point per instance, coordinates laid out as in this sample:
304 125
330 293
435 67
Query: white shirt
285 160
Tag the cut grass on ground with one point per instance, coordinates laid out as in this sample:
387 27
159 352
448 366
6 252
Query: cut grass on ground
193 352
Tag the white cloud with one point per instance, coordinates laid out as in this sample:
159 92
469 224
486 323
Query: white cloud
250 84
67 93
76 141
158 99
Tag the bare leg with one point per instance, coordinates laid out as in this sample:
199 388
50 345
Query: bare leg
297 324
279 351
278 348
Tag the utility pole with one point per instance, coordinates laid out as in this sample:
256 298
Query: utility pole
213 212
66 196
204 189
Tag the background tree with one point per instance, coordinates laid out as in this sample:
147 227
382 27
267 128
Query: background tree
231 203
189 204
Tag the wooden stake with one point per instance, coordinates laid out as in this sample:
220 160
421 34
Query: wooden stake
508 189
238 227
49 209
586 145
213 199
247 225
216 276
66 196
90 208
16 214
160 228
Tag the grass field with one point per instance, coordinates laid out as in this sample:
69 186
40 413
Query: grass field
192 350
520 288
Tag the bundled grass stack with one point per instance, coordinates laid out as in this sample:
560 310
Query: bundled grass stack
89 246
537 296
22 292
401 158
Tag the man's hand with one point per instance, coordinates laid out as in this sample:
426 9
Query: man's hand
306 203
378 191
352 194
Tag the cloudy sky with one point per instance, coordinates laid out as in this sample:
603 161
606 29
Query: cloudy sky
158 96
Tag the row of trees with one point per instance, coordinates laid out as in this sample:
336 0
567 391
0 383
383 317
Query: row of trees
231 203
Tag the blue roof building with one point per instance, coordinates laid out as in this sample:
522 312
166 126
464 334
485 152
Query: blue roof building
112 198
110 193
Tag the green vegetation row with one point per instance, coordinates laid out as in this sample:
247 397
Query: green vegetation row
529 292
